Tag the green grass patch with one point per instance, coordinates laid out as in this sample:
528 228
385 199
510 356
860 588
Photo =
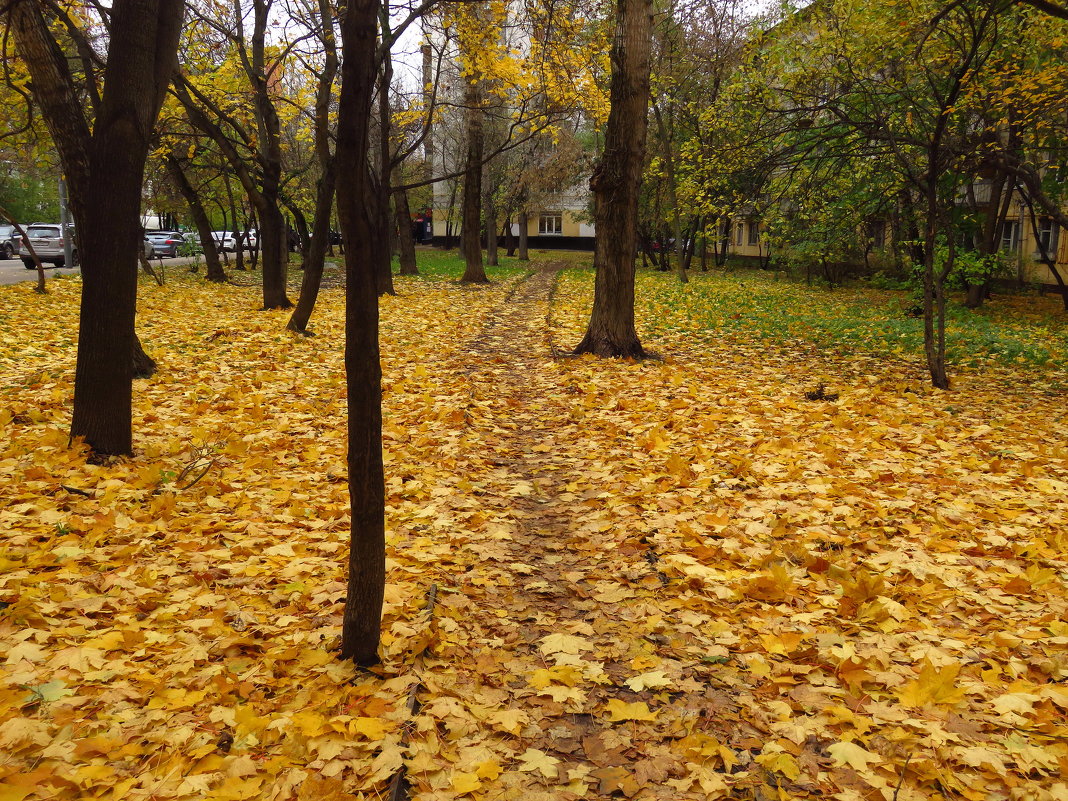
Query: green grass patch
1012 330
448 265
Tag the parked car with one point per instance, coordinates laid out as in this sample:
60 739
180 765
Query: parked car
150 249
248 239
47 241
165 243
9 242
224 240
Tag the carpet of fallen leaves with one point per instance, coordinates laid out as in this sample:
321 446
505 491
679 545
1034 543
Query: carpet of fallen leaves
679 579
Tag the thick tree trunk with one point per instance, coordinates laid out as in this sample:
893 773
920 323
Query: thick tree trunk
615 184
471 219
105 172
356 201
406 242
273 250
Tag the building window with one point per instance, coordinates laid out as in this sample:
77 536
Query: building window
739 234
754 232
1048 232
1010 235
551 223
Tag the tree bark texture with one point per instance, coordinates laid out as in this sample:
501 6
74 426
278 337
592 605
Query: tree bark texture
471 214
357 201
105 167
615 184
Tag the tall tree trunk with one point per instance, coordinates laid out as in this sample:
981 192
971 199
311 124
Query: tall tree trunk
200 219
524 224
406 242
315 254
471 220
615 184
673 196
356 201
509 237
104 167
491 231
934 296
314 250
384 172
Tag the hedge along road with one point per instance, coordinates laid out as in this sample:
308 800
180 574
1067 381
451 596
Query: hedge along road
13 271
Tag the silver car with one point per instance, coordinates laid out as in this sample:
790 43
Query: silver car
165 243
47 242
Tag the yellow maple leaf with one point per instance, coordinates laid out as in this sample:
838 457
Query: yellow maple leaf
934 686
621 710
509 720
488 770
371 728
536 760
463 783
653 680
780 763
558 643
851 754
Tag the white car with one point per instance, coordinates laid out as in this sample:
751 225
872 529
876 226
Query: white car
224 240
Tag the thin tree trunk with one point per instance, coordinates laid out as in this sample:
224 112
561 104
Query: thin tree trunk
40 288
384 171
509 237
1047 258
315 246
673 197
615 184
408 265
524 225
491 231
200 219
356 201
315 255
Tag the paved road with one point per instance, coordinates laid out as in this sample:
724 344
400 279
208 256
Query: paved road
12 271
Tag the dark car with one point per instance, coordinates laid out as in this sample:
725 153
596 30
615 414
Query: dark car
165 243
9 241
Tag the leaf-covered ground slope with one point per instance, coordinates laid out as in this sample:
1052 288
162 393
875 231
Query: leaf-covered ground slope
676 579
